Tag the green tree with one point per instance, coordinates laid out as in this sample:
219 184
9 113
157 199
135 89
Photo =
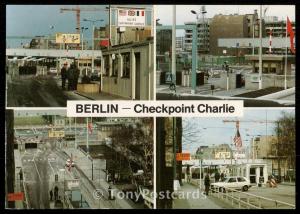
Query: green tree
286 132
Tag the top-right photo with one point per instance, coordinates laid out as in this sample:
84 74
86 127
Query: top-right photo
226 52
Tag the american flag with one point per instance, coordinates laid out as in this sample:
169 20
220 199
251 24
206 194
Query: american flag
237 139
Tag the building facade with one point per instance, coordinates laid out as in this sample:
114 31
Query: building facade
203 26
127 71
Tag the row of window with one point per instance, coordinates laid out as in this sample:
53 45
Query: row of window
123 60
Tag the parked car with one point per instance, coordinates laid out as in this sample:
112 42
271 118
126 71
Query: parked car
52 70
234 182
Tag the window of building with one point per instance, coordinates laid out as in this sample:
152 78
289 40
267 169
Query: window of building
114 67
126 65
89 64
85 64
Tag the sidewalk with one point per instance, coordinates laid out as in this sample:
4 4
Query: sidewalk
18 184
85 164
190 202
100 96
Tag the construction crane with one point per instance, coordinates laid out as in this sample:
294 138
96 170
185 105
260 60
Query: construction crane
247 121
78 10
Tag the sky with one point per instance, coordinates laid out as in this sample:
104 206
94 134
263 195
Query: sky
35 20
217 132
183 14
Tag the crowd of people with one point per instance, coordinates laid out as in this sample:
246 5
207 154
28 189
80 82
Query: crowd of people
70 75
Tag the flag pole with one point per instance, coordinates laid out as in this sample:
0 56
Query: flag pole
87 135
75 135
260 50
285 67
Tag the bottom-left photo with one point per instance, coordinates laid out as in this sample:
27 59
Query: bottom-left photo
58 162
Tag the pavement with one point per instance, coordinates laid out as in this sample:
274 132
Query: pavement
198 202
99 179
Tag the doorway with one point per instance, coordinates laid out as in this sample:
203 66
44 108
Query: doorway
137 76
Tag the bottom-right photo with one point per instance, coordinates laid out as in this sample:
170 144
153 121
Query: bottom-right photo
227 163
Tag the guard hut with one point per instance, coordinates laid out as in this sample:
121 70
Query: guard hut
273 71
127 70
255 171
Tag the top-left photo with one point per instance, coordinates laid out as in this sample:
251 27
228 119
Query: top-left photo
56 53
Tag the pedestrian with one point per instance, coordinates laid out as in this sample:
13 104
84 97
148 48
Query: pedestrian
217 176
51 195
63 73
70 76
76 76
55 193
222 176
206 183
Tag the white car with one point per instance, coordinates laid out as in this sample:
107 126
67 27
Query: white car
234 182
53 70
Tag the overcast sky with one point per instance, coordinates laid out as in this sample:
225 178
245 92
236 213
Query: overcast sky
217 132
183 14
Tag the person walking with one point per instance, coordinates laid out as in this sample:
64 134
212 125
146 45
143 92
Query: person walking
55 193
222 176
63 73
206 183
217 176
70 76
51 195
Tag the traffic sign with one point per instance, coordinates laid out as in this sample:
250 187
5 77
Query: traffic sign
16 196
183 156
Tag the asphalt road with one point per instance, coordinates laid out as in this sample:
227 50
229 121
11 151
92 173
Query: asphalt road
31 91
39 167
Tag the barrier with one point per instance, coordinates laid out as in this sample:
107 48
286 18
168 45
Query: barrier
247 200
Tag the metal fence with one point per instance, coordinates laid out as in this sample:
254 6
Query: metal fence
248 200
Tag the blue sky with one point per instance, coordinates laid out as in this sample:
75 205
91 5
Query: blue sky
183 12
218 132
35 20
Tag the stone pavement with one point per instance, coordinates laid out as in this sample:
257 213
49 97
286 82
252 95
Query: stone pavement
201 202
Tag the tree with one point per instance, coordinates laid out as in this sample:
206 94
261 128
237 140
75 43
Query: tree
286 132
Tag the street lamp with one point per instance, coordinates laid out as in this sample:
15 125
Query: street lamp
93 39
82 29
92 160
63 170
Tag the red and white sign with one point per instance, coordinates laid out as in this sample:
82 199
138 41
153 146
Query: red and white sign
131 18
17 196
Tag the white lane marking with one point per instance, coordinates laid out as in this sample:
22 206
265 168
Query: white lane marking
37 169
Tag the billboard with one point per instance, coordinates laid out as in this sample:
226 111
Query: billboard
56 133
67 38
222 155
131 18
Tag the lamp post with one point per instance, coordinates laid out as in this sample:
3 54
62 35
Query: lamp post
63 170
82 29
93 38
260 49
